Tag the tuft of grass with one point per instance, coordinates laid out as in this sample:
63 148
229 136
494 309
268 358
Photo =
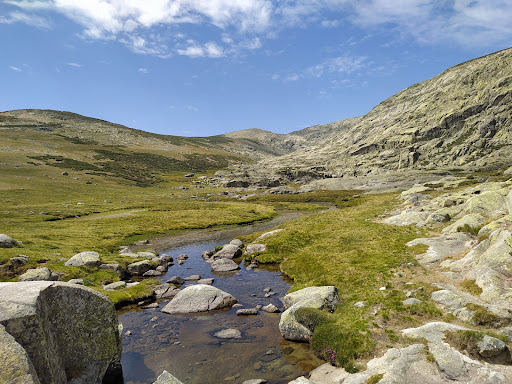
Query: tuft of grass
131 295
311 318
471 287
374 379
469 229
481 316
467 341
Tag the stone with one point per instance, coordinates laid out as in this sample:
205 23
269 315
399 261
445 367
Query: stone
239 243
162 269
411 301
176 280
114 286
224 265
88 259
448 299
199 298
7 241
268 234
208 281
69 332
167 378
37 274
76 281
18 261
152 273
490 346
182 257
147 254
270 308
229 334
253 248
139 268
491 203
247 312
117 268
16 365
255 381
193 278
359 304
313 297
228 251
327 374
301 380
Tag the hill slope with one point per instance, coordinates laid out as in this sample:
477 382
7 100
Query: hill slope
460 118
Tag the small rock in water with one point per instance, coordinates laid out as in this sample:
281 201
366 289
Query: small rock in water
229 334
268 289
154 318
151 306
176 280
270 308
208 281
192 278
128 333
247 311
255 381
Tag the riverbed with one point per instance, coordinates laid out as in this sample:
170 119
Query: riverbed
185 345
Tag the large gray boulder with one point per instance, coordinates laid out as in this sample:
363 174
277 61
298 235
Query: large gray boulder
312 297
69 333
199 298
7 241
88 259
36 274
228 251
139 268
224 265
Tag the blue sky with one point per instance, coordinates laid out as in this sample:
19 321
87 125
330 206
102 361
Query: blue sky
205 67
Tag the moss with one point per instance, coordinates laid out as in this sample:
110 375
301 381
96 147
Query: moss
374 379
469 229
131 295
311 317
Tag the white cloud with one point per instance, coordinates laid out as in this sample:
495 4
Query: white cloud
75 65
20 17
211 50
192 108
16 69
243 24
143 70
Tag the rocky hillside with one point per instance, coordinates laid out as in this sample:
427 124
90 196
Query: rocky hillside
460 118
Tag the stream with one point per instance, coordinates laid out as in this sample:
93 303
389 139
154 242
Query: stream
185 345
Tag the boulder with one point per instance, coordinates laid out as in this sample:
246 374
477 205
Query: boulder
326 373
253 248
76 281
228 251
16 365
114 286
239 243
270 308
192 278
199 298
208 281
7 242
411 301
229 334
88 259
301 380
406 218
167 378
490 346
139 268
147 254
224 265
69 333
19 261
255 381
247 312
176 280
152 273
492 203
37 274
312 297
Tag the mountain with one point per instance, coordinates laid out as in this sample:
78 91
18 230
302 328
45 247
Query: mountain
458 119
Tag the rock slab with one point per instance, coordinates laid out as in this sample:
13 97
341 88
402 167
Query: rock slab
69 332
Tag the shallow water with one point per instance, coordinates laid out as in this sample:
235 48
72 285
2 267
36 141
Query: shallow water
184 345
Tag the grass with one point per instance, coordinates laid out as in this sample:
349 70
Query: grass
348 248
467 341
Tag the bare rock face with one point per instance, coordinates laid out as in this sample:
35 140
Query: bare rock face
61 333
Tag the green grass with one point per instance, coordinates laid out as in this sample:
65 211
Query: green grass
348 248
